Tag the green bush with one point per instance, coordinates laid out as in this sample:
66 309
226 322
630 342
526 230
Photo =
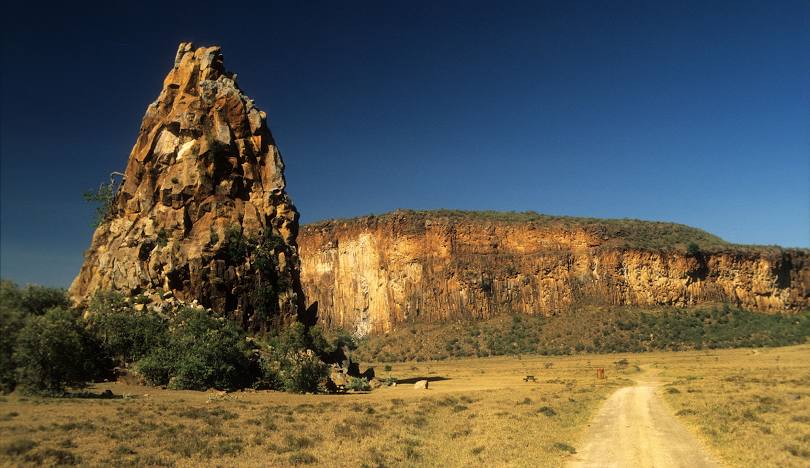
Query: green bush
291 360
53 351
358 384
32 299
302 372
201 351
38 299
12 320
124 333
19 307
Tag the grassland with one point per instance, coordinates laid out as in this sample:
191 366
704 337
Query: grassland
751 407
476 412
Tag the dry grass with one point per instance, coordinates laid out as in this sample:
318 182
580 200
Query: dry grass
476 412
751 406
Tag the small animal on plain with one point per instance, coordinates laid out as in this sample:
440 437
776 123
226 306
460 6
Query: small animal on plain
529 378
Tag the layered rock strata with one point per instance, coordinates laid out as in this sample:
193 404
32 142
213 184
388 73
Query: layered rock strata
371 274
202 210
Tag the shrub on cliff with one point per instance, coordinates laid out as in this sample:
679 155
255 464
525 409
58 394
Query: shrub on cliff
201 351
54 351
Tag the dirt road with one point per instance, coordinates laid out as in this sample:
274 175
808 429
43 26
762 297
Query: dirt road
635 429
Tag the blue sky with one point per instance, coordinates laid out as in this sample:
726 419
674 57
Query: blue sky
692 112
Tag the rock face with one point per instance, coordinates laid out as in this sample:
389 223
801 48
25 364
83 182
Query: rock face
202 210
371 274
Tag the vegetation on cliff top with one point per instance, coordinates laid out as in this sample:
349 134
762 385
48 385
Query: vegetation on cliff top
619 233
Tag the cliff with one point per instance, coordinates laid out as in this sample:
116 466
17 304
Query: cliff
371 274
201 211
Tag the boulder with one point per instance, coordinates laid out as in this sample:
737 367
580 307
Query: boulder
421 385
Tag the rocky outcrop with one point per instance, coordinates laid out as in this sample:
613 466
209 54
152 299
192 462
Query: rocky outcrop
202 210
372 274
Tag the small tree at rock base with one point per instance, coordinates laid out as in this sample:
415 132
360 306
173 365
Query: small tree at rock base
52 353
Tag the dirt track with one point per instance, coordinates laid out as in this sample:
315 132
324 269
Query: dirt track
635 429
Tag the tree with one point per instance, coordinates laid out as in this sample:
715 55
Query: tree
52 353
16 305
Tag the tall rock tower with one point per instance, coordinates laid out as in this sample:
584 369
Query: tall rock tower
202 210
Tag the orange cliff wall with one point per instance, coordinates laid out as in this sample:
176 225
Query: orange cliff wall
370 274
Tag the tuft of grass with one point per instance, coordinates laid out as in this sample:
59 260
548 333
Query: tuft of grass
212 416
302 458
547 410
123 450
57 457
230 446
18 447
356 428
796 451
563 447
294 442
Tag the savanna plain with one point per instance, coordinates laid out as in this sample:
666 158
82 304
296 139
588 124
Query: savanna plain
747 407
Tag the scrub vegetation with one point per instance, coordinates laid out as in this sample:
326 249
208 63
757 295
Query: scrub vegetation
589 329
621 233
47 346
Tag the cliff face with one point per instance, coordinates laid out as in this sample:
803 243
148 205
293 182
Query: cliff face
371 274
202 210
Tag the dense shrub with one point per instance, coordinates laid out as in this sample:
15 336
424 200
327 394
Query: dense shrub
186 349
290 364
358 384
591 329
16 306
12 319
302 371
53 351
201 351
38 299
124 333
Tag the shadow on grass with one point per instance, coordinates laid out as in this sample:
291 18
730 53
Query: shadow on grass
411 380
105 395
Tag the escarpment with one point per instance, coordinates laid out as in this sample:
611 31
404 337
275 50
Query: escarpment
371 274
202 212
